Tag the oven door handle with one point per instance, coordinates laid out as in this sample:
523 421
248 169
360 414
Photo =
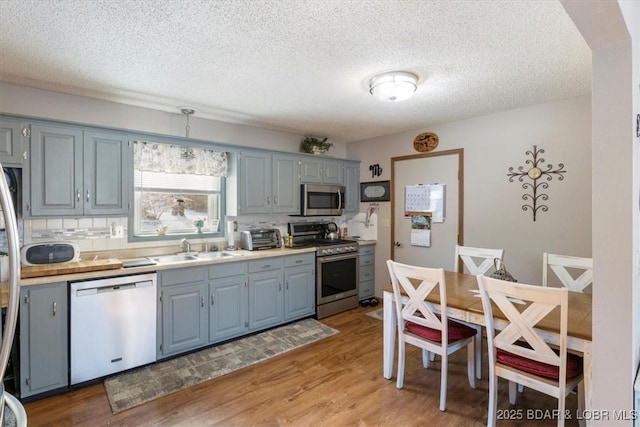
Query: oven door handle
339 200
329 258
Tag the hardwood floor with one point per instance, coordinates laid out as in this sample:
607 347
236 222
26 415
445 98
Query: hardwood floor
334 382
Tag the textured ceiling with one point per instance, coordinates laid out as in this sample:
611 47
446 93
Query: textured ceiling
299 66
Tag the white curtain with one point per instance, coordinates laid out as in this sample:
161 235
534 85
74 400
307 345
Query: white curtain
156 157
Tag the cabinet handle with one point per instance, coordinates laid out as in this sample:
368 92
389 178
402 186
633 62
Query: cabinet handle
212 299
299 261
268 200
88 196
287 285
55 308
275 202
280 286
266 265
78 195
201 301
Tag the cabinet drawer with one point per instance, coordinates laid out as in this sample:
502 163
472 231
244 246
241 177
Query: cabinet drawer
296 260
182 275
367 273
366 260
367 250
265 264
228 269
367 289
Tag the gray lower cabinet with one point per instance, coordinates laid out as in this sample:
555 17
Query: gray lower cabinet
10 142
44 339
266 301
198 306
228 301
299 279
183 310
367 272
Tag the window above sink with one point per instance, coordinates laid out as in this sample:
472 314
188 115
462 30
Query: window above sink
179 191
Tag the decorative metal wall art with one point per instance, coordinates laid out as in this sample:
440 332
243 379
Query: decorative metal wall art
535 172
376 170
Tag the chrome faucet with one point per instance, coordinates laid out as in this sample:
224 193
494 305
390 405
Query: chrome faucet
186 246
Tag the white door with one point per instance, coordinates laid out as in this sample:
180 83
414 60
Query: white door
427 169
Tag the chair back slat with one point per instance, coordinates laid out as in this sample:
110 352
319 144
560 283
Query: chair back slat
476 260
522 319
560 264
417 283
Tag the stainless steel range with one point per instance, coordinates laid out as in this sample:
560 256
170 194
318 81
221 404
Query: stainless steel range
337 264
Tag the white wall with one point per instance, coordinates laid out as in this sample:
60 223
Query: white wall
493 215
612 30
22 100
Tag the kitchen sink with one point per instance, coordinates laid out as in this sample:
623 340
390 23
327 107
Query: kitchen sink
168 259
216 255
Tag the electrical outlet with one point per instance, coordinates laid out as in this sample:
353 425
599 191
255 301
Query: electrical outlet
119 232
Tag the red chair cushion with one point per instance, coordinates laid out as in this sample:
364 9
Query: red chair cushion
574 365
456 331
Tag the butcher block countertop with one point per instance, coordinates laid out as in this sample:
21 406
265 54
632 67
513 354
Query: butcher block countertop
69 268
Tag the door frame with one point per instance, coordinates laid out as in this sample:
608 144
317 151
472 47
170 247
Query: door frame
454 152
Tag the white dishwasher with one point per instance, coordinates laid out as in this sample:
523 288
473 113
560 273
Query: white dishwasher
113 325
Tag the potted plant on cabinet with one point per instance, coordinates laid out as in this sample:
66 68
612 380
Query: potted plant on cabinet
313 145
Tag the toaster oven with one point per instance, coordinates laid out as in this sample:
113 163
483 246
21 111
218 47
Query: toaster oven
260 238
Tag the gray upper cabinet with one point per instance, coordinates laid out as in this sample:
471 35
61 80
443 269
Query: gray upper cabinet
44 340
56 171
352 184
106 161
321 171
285 184
267 184
10 143
75 173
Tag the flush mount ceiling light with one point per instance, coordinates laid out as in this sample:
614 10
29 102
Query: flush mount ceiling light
394 86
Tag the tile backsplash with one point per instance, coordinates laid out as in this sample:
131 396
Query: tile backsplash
94 234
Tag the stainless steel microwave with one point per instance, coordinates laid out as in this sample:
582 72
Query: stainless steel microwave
321 199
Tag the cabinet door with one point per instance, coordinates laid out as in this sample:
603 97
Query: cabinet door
106 189
310 170
266 302
333 172
10 142
255 183
228 308
184 318
299 294
44 340
352 184
286 185
56 171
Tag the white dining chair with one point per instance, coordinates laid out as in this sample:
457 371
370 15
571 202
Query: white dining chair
476 261
561 265
425 326
519 352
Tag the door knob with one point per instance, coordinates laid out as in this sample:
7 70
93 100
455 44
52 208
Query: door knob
397 244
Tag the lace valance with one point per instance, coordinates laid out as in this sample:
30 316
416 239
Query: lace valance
180 159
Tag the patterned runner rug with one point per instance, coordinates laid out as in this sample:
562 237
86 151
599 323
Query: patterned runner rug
142 385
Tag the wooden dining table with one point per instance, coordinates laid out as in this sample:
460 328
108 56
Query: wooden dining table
463 303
